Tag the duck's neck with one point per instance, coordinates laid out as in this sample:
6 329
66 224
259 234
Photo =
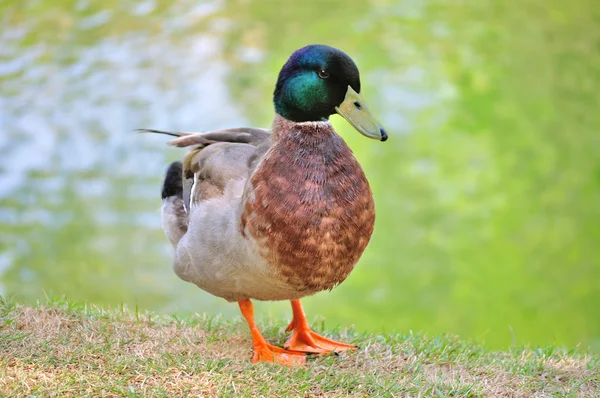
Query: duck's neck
283 128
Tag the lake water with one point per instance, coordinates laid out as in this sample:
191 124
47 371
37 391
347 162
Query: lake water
487 192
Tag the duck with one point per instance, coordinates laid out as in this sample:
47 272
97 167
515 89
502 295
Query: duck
279 214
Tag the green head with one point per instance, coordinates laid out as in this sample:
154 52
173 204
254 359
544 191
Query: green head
318 81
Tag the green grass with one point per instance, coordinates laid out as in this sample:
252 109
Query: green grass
61 348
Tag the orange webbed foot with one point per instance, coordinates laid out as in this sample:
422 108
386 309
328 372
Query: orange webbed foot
270 353
263 351
305 340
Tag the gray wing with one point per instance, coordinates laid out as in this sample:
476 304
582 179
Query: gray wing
217 157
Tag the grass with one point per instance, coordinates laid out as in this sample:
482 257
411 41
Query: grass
62 349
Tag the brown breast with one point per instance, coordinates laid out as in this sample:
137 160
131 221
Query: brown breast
309 206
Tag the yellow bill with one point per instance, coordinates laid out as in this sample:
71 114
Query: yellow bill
354 109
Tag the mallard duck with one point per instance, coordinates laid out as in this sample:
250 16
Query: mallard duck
279 215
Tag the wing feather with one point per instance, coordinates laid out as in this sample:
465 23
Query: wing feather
216 158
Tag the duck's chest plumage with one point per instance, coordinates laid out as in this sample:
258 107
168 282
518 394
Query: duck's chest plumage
309 208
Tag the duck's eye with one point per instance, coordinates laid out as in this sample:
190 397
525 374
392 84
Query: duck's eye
323 74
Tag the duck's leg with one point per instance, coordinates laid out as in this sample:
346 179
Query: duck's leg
305 340
263 351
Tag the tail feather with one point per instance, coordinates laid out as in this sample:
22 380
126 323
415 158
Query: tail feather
173 185
174 216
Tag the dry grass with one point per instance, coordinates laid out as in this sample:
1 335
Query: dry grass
65 349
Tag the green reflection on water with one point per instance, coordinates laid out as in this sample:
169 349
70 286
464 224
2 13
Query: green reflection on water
487 191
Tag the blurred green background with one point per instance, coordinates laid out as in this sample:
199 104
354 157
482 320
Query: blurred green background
487 192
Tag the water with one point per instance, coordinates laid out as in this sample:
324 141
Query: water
487 192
